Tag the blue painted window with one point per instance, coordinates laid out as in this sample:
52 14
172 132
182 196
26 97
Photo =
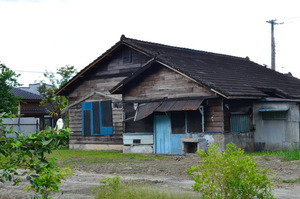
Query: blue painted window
240 123
97 118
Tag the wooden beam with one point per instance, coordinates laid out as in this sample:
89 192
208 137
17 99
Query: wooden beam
88 96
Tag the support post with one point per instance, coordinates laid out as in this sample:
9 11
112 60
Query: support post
201 109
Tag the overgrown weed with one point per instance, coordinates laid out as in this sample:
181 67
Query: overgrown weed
113 188
288 155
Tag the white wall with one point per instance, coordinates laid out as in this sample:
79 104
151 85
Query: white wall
276 134
27 125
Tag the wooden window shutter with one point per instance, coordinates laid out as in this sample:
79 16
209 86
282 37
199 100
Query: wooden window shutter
87 123
106 118
96 118
106 113
86 119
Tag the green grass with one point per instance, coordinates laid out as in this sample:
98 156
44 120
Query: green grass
288 155
69 158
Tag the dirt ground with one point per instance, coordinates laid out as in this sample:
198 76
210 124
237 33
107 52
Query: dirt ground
166 174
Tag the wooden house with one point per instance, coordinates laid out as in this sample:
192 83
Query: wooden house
152 98
30 104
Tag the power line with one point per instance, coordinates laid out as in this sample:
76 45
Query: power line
26 71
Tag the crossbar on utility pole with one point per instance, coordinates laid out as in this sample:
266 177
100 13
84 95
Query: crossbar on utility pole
273 22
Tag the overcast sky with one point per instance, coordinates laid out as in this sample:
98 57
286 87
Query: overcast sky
39 35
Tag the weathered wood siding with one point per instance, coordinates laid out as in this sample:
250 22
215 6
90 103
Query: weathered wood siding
104 76
118 64
165 83
213 115
75 112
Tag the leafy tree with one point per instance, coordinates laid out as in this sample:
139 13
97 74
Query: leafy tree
230 174
25 156
56 103
8 80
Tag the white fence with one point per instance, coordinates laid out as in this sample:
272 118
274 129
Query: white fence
27 125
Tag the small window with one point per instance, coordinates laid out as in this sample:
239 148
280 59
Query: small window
240 123
274 115
136 141
178 122
194 122
117 105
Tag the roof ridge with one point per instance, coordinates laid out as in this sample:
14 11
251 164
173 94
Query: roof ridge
22 90
123 38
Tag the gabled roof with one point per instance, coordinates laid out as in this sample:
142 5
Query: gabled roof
230 76
25 95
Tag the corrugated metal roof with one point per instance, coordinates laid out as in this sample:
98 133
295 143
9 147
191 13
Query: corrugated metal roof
179 105
273 109
146 109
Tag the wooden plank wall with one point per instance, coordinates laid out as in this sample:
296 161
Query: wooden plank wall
114 65
104 76
213 115
165 83
75 123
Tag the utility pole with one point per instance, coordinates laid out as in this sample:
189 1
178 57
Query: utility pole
273 22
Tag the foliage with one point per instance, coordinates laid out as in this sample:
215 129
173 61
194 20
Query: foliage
113 188
54 102
8 80
25 156
230 174
48 180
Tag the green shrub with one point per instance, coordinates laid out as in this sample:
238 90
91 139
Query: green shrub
230 174
26 156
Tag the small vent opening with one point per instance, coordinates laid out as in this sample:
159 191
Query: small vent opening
137 141
190 147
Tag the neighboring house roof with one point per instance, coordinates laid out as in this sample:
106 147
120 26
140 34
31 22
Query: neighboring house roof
25 95
229 76
28 97
33 88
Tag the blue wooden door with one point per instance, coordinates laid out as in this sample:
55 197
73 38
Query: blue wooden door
162 134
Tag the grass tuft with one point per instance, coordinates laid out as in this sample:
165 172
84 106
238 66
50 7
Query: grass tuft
296 180
112 188
288 155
